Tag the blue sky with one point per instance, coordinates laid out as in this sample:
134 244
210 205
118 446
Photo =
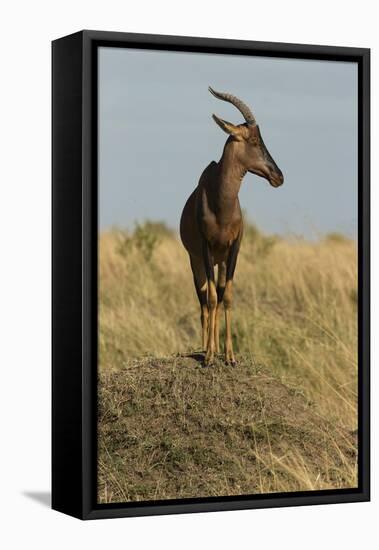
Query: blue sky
156 136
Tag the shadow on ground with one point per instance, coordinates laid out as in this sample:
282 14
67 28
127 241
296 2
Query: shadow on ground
41 497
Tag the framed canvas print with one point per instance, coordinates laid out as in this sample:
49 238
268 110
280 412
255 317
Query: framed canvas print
210 274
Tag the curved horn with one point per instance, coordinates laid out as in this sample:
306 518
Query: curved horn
241 106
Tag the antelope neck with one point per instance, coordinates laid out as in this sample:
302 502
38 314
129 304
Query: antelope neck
231 173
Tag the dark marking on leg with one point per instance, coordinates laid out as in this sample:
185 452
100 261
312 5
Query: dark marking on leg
232 259
208 262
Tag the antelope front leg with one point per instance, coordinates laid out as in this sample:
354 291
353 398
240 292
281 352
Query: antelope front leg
204 326
217 329
221 282
228 298
212 301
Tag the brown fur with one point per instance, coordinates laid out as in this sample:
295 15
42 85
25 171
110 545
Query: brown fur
211 226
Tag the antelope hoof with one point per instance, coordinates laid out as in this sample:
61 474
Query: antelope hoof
230 360
209 359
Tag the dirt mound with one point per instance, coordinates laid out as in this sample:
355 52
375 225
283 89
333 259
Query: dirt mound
169 428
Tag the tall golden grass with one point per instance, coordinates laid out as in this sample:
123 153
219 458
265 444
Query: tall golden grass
294 313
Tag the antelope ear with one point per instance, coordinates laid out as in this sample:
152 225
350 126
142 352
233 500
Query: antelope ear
228 127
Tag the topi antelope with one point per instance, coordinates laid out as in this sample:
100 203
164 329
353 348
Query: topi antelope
211 225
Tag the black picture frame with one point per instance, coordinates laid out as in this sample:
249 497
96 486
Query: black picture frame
74 272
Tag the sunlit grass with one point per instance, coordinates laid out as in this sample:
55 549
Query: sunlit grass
294 314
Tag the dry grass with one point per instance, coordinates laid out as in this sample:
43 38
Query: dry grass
283 420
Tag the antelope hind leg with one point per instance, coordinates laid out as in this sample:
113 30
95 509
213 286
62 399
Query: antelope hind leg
201 286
